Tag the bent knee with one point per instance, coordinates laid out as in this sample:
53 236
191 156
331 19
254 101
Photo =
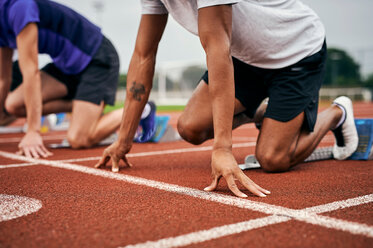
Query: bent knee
190 132
273 162
78 141
13 108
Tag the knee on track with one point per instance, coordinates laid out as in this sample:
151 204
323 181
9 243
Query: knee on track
271 161
190 132
78 141
13 108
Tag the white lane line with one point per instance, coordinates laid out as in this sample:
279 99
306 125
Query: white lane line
213 233
340 204
13 206
16 165
355 228
210 196
222 231
163 152
333 223
218 232
74 160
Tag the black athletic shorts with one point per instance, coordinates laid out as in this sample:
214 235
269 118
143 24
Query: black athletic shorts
97 82
291 90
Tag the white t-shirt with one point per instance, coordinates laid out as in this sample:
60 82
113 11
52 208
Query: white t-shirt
265 33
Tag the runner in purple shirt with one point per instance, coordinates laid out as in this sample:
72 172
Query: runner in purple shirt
82 78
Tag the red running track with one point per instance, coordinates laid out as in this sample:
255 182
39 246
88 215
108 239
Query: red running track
63 201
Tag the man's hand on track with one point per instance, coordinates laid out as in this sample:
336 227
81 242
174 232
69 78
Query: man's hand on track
115 152
32 146
224 164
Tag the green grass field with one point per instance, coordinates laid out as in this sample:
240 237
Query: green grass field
160 108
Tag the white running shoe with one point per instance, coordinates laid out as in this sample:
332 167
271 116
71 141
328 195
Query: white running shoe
348 139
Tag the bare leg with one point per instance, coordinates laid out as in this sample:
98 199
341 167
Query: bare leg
53 92
57 106
197 128
290 144
88 126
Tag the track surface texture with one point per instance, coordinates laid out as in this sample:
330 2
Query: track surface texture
63 201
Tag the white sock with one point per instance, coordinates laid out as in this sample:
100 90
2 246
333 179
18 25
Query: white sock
146 111
343 118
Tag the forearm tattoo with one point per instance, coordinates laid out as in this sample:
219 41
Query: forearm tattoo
137 90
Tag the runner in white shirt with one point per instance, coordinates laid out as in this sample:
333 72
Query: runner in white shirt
266 34
254 50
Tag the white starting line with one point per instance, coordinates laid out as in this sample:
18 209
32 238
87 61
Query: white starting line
213 233
277 214
163 152
16 165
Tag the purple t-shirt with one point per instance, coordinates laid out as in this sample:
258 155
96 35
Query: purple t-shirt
69 38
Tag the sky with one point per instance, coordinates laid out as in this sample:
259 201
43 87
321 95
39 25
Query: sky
348 24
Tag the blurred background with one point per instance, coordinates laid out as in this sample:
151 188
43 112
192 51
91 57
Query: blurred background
181 61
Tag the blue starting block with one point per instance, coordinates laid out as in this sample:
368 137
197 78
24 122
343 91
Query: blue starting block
365 131
164 132
161 123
